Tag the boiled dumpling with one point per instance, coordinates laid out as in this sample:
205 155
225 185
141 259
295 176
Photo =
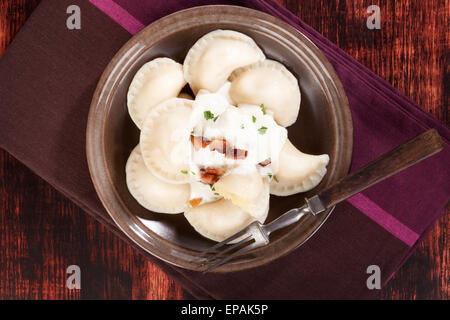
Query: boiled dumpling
165 141
214 56
151 192
224 90
251 192
156 81
298 171
218 220
269 83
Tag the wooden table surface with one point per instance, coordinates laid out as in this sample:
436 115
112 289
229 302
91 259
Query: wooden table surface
410 51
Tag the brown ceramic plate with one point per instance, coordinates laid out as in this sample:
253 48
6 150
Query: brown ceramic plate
324 126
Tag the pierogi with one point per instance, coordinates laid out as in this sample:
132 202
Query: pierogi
298 171
152 193
250 192
162 142
219 153
211 60
270 83
156 81
218 220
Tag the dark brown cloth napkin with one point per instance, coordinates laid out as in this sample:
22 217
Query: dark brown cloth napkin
48 76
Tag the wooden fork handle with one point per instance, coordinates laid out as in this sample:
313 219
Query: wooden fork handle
402 157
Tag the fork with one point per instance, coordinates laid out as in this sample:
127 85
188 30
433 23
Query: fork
256 235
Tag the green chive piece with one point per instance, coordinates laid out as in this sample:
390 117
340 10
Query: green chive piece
253 119
270 175
275 178
215 193
215 118
242 126
208 115
193 173
184 172
212 187
262 130
262 108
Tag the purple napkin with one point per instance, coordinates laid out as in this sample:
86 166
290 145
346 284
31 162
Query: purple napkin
48 76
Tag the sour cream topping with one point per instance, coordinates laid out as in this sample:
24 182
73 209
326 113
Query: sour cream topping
246 127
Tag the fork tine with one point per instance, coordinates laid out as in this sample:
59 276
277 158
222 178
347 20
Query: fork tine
231 256
220 253
224 242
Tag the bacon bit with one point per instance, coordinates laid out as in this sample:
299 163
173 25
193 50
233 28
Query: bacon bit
215 171
195 202
219 145
238 154
208 177
199 142
211 175
265 162
224 147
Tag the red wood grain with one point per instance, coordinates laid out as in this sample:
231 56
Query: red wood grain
41 232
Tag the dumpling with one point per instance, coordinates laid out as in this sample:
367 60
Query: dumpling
156 81
151 192
251 192
165 141
267 82
218 220
298 171
214 56
224 90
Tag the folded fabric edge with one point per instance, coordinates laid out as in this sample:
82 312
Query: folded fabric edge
422 236
119 15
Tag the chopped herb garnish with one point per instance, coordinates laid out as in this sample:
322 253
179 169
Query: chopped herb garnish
184 172
275 178
208 115
215 118
242 126
262 130
270 175
262 108
216 194
253 119
193 173
212 187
